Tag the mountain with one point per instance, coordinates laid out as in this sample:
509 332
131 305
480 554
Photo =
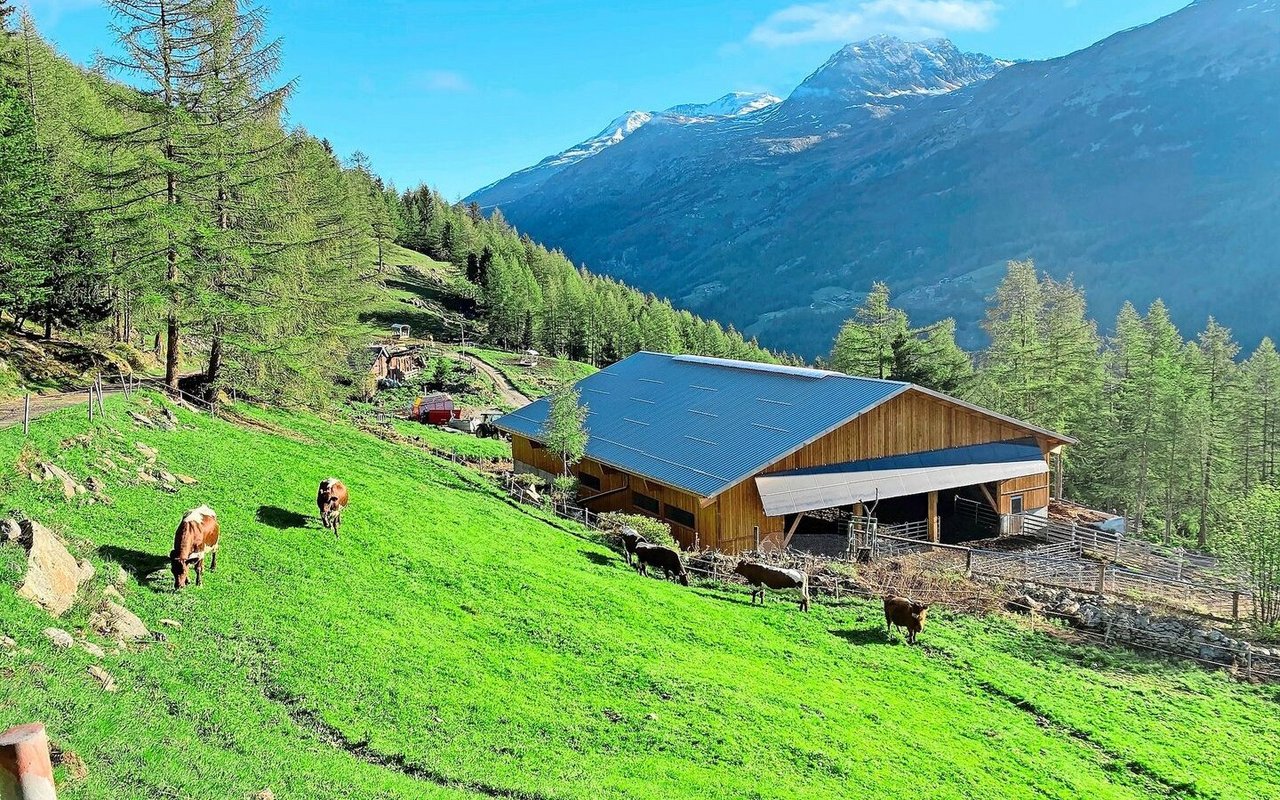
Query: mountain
519 184
1147 165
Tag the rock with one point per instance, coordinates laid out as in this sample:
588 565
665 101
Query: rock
60 638
52 574
171 623
95 484
103 677
92 649
122 577
113 593
8 644
10 530
117 622
109 465
70 486
148 453
85 570
1069 608
186 480
143 475
170 418
166 477
142 420
265 794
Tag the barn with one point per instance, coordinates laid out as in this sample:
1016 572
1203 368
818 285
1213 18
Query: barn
733 454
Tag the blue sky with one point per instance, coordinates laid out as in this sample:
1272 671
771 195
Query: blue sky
459 94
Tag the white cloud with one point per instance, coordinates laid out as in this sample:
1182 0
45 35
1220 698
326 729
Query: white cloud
850 20
442 80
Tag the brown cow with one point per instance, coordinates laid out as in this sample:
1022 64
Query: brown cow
659 557
331 499
197 537
903 613
767 575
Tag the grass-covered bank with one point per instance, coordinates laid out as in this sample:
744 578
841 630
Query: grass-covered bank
449 640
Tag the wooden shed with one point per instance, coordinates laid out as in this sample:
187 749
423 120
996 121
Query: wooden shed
732 453
395 363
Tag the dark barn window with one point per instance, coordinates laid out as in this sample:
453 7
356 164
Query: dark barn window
588 480
679 516
645 502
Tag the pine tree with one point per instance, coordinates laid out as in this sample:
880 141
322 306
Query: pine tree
865 344
26 203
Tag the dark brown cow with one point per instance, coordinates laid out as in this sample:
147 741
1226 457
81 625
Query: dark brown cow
659 557
630 538
196 538
767 575
331 499
903 613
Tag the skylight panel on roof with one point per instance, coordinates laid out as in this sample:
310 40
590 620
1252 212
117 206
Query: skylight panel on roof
702 413
596 391
651 380
701 441
642 400
703 388
774 402
636 421
769 427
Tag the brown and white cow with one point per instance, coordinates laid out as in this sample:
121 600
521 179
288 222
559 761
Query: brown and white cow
331 499
196 538
903 613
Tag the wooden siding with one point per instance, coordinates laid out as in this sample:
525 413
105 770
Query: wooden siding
523 451
1033 488
703 535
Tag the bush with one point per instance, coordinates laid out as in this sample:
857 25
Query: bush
652 530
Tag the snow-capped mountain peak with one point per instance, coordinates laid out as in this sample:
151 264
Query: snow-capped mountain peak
733 104
886 66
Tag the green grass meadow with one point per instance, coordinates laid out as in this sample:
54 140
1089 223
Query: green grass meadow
451 644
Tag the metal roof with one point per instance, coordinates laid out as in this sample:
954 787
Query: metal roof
703 424
863 481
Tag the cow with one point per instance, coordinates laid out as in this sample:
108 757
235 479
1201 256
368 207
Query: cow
659 557
767 575
331 499
197 537
903 613
630 538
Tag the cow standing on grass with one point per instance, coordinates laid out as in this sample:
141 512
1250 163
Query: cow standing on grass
630 539
903 613
764 576
331 499
196 538
659 557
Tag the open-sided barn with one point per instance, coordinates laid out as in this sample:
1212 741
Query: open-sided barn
729 452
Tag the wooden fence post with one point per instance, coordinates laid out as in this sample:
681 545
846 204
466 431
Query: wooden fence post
26 415
1102 577
25 770
1235 605
91 404
968 562
757 535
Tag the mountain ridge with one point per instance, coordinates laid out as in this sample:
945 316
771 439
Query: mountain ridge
1139 159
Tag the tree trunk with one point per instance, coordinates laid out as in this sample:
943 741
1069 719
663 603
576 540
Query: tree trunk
215 364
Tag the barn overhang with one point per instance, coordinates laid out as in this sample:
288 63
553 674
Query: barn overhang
798 491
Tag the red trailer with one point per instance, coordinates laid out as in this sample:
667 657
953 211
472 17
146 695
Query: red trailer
434 409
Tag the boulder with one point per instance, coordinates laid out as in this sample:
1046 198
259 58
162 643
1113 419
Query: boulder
85 570
117 622
112 593
147 452
92 649
186 480
60 638
122 577
52 574
265 794
10 531
103 677
7 643
70 486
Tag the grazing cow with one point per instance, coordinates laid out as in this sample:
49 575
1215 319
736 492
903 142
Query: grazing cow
767 575
903 613
331 499
659 557
630 538
197 537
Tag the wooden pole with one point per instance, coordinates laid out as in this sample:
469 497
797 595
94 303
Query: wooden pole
1235 605
757 535
26 415
91 404
935 535
25 770
1102 577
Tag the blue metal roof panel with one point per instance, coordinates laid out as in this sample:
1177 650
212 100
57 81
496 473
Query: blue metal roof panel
702 424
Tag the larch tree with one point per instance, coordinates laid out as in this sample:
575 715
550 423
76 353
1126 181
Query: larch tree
564 431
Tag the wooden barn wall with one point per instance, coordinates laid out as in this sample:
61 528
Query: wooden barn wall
706 519
1033 488
909 423
610 479
523 451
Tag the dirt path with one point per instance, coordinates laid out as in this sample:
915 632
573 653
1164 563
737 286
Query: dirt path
506 390
42 404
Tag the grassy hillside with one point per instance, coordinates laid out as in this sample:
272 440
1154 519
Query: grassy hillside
451 644
533 381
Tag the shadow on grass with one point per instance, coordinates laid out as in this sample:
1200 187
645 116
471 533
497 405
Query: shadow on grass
142 566
281 518
599 559
861 636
